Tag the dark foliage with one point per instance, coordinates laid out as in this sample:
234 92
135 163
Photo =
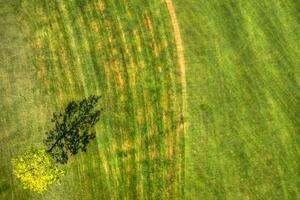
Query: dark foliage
72 129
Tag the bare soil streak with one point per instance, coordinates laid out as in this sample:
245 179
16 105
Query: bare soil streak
180 53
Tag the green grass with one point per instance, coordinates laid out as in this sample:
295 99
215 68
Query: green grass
57 51
244 104
243 80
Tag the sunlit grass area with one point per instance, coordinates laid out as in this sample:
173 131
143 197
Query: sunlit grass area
243 73
57 51
243 96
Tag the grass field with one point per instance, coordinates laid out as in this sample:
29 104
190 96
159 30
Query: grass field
243 85
243 95
56 51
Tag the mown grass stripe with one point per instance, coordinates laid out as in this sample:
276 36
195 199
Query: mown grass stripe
113 61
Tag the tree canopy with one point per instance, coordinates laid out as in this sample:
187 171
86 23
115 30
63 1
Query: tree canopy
36 170
73 129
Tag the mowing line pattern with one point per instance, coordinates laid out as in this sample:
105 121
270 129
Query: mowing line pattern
181 62
125 51
243 98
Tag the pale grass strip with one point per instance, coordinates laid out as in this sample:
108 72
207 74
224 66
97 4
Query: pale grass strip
180 54
181 61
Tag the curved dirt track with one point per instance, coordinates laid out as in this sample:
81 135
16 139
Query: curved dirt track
180 53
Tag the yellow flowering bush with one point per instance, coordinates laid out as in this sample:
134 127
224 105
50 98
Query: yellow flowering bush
36 170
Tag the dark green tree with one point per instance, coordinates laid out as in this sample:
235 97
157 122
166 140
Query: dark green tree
73 129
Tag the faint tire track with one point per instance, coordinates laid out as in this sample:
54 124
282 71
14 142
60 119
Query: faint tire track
181 59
